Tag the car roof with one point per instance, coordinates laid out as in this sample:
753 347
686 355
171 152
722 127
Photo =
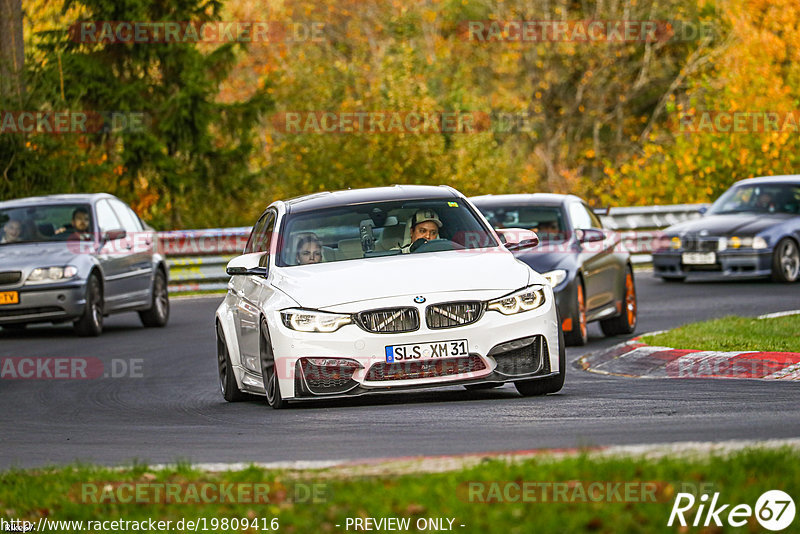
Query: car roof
781 179
349 197
533 199
82 198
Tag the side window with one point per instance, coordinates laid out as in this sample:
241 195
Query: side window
265 239
256 233
106 219
130 223
596 222
581 220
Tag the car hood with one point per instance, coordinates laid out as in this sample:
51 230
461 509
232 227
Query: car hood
543 261
15 257
330 284
734 224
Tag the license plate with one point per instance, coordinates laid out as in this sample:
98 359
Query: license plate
426 351
699 258
9 297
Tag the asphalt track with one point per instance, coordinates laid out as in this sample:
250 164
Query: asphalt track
172 410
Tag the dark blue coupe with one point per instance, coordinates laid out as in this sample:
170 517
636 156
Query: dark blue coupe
751 231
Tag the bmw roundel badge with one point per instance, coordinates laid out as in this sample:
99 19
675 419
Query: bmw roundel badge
419 300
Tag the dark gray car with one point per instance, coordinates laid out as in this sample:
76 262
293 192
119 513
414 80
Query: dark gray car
78 258
588 267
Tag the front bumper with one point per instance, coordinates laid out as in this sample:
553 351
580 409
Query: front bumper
729 264
44 304
501 349
567 303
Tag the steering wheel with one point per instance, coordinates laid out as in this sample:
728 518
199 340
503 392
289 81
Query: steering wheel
434 245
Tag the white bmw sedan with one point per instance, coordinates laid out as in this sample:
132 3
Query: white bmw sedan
384 289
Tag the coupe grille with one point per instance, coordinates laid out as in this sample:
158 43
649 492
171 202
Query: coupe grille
692 243
520 357
453 314
10 277
425 369
390 320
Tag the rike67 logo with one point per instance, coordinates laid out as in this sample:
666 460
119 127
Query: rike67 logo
774 510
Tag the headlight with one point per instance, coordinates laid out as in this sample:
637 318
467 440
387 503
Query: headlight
524 300
554 278
314 321
736 242
51 274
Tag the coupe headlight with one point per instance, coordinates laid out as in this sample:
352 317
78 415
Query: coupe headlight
523 300
314 321
737 242
554 278
51 274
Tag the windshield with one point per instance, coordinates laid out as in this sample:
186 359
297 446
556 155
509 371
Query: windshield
41 224
546 221
761 198
381 229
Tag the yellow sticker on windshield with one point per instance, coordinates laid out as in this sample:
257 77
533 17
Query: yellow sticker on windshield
453 204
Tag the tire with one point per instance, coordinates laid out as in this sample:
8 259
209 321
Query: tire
786 261
579 334
227 380
624 323
158 314
268 374
90 324
543 386
480 387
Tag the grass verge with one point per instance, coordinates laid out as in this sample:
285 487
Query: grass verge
781 334
561 496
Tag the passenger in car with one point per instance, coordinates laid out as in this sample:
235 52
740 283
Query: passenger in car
425 225
12 231
765 202
80 222
309 250
548 230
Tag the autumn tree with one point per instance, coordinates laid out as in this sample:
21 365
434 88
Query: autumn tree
12 54
192 153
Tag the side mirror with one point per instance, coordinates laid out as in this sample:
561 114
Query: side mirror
113 235
247 264
517 239
590 235
702 210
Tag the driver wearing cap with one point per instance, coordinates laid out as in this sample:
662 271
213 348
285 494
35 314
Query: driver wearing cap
425 225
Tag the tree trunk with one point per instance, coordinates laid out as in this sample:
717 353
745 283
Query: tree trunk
12 51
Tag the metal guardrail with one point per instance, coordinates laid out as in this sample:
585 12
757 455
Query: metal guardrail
650 217
197 258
